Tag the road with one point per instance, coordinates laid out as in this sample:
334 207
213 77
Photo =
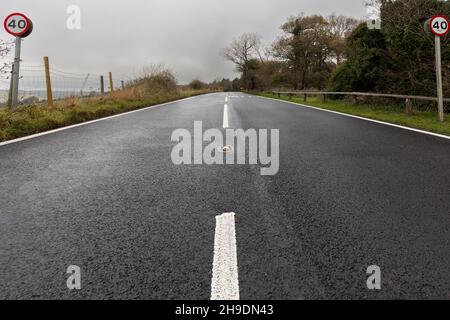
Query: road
106 197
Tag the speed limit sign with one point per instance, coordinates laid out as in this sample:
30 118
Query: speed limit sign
18 25
439 25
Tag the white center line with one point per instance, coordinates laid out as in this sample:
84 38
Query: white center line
225 280
225 116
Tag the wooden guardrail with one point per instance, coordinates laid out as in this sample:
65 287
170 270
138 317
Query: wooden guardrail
355 95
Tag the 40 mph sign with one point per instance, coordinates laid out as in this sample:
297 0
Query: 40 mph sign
18 25
439 25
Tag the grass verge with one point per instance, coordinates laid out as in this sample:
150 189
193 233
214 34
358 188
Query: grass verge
28 120
423 120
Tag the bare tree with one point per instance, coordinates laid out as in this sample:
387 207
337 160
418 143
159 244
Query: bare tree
340 28
373 8
243 49
5 48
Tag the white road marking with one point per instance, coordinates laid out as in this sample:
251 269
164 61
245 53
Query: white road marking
225 280
226 99
366 119
225 116
90 122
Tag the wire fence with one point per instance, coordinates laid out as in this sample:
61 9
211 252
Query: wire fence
65 84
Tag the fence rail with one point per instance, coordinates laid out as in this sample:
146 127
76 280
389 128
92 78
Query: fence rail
356 94
63 84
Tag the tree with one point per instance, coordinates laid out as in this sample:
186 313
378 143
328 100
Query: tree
399 58
242 51
305 48
340 28
303 57
5 48
270 74
366 64
411 49
197 84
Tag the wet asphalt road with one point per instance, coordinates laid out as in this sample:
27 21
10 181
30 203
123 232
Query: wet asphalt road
106 197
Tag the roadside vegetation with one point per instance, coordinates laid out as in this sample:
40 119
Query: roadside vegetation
341 54
157 85
420 119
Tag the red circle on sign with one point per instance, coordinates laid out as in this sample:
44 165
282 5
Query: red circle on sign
20 33
431 25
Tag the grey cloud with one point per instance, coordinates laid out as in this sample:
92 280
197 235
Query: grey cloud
186 35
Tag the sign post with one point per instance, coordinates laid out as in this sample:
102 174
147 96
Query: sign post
18 25
439 27
16 73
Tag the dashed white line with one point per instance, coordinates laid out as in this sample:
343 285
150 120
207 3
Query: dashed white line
225 280
225 116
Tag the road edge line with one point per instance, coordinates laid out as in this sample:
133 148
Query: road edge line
362 118
37 135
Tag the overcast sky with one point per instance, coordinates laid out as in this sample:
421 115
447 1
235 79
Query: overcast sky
186 35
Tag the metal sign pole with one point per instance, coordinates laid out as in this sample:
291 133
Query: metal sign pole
15 75
440 94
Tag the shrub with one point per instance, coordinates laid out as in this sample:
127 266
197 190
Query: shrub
197 84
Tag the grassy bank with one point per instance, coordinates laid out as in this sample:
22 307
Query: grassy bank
28 120
423 120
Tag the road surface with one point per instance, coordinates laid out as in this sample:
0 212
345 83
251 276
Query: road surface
106 197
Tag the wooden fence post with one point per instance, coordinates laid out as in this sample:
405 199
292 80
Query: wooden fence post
111 84
48 82
408 107
102 86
